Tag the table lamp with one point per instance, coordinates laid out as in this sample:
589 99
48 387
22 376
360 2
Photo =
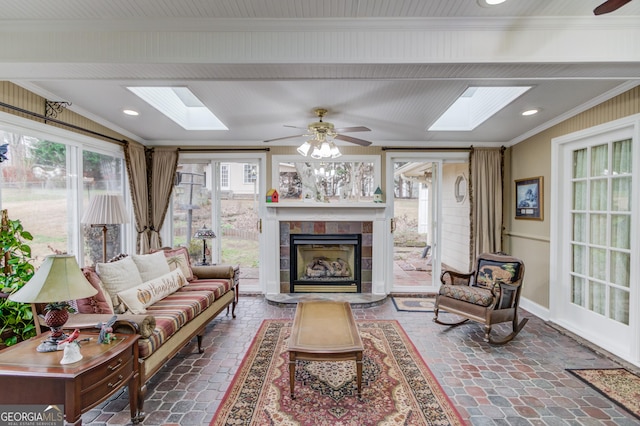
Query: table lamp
204 234
105 209
56 282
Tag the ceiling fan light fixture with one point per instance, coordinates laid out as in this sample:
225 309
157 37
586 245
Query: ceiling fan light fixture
304 148
335 152
315 154
325 150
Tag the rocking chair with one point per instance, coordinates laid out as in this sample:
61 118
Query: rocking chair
489 295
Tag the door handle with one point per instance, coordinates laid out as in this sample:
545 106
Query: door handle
393 225
259 226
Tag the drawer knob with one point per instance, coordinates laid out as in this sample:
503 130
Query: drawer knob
113 385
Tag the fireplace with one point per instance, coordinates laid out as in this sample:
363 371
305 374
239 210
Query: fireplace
325 263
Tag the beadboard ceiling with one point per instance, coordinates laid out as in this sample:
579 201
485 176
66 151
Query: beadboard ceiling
392 66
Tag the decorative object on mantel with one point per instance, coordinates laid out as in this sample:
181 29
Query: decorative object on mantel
57 281
377 196
272 196
105 209
204 234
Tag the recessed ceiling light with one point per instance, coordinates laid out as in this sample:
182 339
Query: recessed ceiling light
531 111
181 106
475 106
489 3
130 112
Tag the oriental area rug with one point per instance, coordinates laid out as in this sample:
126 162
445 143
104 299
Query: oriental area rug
397 386
618 384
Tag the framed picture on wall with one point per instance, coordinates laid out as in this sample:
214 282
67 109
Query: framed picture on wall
529 198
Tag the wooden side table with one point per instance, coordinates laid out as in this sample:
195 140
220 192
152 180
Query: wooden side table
30 377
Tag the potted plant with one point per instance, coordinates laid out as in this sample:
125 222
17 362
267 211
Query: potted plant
17 322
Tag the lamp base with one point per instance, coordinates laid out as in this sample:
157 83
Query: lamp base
51 343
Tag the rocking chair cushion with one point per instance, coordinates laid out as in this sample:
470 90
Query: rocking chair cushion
489 272
476 295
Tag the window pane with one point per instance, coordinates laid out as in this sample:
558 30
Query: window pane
191 209
597 297
102 174
224 176
577 290
597 263
579 195
579 256
622 157
619 305
599 160
621 194
580 163
621 231
598 229
599 194
34 181
620 268
579 227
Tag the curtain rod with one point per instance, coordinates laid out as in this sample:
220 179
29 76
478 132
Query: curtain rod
62 123
408 148
223 149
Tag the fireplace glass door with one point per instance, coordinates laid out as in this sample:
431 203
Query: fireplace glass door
325 263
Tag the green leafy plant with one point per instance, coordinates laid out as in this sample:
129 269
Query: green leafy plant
17 270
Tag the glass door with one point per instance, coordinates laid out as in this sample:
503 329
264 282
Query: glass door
236 218
415 217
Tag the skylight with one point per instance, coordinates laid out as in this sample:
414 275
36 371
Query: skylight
475 106
180 105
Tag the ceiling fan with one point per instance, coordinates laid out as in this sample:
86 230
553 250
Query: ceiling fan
324 131
609 6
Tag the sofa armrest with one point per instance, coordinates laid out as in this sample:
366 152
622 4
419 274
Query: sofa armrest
214 271
125 323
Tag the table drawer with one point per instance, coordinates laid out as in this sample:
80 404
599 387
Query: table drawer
100 388
110 368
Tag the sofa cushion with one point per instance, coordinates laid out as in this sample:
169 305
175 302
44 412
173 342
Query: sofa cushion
100 303
171 313
217 287
179 258
138 298
151 266
118 276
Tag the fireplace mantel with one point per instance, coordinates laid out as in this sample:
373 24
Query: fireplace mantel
330 212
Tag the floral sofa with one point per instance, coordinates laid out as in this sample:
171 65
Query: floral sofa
161 297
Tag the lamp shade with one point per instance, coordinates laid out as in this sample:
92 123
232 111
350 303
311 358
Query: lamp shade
204 233
58 279
105 209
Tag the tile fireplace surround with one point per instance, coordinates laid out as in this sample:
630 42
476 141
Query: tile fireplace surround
284 219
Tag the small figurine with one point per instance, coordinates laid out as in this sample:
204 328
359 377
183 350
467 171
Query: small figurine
71 348
106 330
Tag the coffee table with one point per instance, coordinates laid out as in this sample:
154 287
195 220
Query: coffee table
324 331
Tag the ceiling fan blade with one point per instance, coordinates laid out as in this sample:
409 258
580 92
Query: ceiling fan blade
609 6
294 127
286 137
352 129
357 141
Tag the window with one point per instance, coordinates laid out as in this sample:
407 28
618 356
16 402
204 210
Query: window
250 173
224 176
47 180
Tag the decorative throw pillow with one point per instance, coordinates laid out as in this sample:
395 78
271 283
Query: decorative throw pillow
178 258
490 272
137 299
151 266
118 276
100 303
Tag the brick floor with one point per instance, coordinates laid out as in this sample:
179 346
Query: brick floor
521 383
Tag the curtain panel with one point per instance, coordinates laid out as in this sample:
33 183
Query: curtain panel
486 171
136 158
164 162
